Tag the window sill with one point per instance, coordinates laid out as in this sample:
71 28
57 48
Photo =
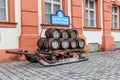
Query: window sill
54 26
8 25
115 30
91 29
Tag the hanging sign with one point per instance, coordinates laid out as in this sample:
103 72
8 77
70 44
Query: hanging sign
60 19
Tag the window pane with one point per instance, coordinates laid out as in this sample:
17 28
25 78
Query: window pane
47 18
48 7
86 14
56 7
115 17
115 9
57 0
91 4
87 23
47 0
112 9
113 24
2 14
51 6
86 3
116 24
91 23
2 3
91 14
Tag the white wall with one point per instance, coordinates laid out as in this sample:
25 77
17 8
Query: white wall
93 36
116 36
9 37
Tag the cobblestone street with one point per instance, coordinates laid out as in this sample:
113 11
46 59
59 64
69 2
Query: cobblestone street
100 66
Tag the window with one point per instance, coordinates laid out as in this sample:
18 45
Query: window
51 6
3 10
115 17
90 13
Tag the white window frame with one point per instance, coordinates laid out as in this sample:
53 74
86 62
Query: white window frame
6 9
94 10
52 3
117 14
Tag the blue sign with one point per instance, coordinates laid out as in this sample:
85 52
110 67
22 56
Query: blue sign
60 19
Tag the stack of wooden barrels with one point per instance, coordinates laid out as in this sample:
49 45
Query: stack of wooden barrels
60 39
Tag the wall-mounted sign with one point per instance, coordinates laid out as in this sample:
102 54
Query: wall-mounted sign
60 19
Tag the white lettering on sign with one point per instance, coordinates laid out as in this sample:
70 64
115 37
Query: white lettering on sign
60 20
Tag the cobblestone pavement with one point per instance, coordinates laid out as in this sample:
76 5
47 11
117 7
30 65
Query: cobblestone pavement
100 66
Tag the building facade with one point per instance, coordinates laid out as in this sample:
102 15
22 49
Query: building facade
22 22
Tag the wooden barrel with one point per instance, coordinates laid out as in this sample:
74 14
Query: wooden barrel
65 44
64 34
73 43
68 33
72 33
81 43
52 44
52 33
40 43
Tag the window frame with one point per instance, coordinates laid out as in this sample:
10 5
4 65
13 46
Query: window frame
52 8
10 20
89 9
6 11
117 14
